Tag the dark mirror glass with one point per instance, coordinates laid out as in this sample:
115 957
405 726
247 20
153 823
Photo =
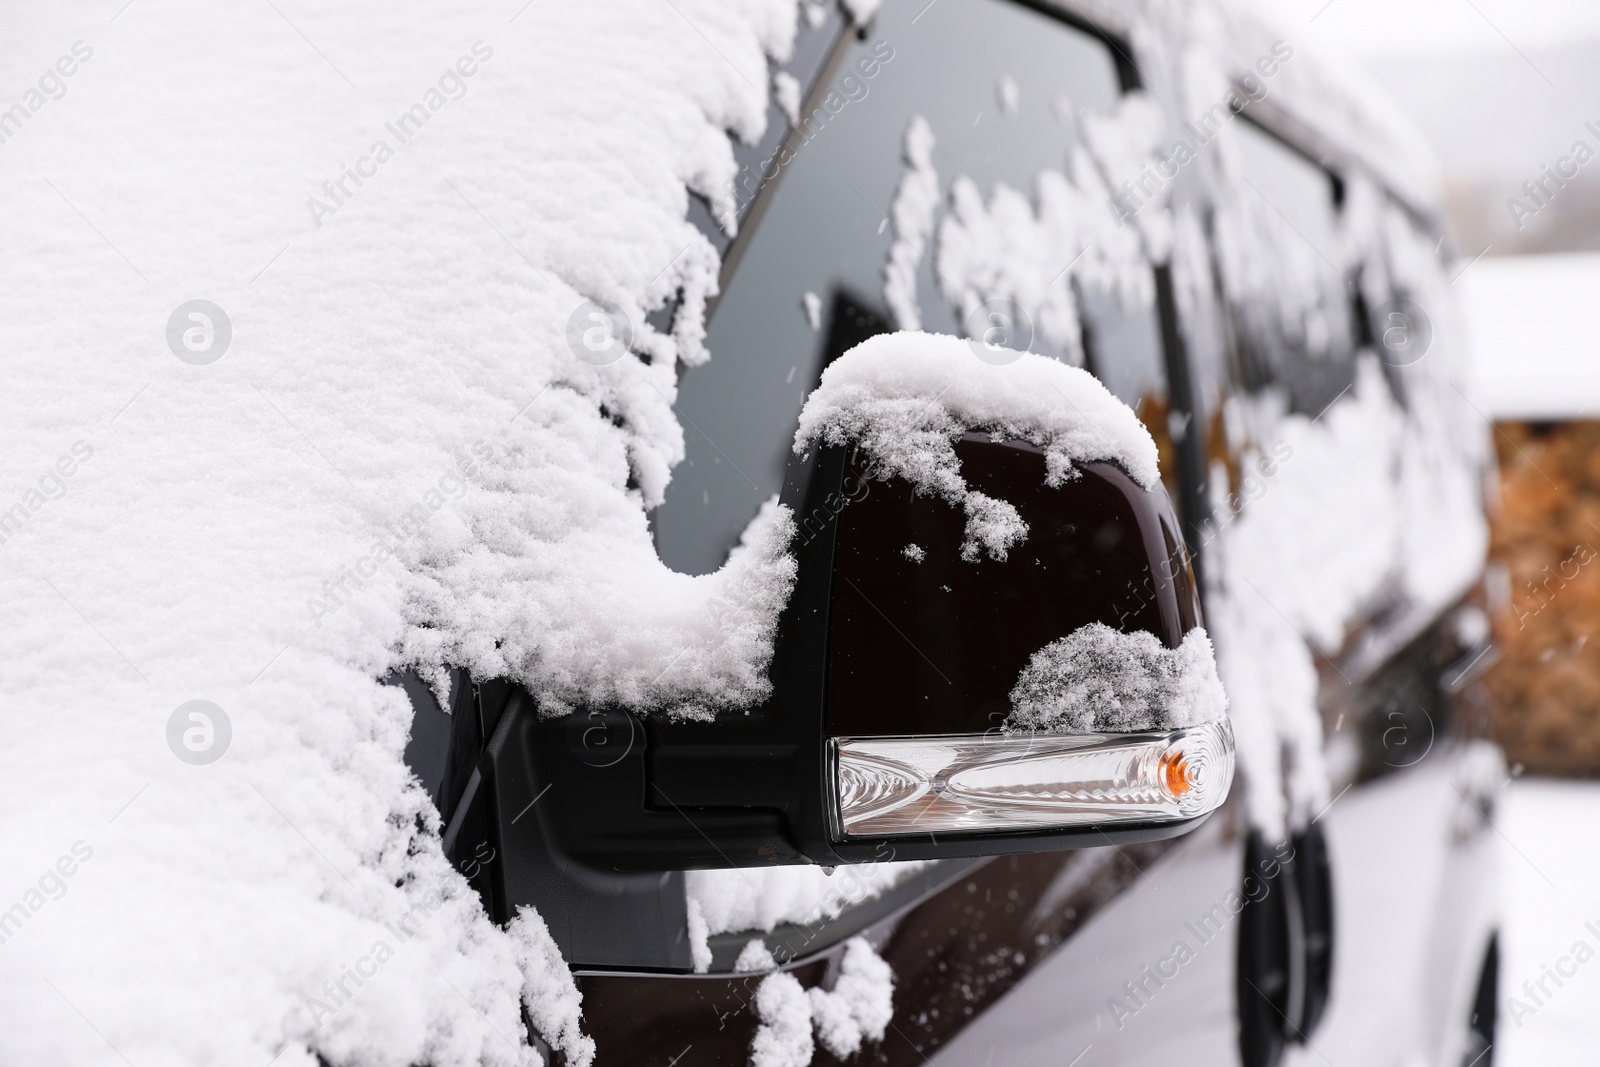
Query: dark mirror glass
922 641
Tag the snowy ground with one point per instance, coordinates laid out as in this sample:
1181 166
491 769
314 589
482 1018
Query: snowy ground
1552 924
1535 354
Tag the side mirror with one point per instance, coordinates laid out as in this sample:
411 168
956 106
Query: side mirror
924 705
944 674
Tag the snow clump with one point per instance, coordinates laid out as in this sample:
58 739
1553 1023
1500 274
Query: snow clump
905 398
1099 680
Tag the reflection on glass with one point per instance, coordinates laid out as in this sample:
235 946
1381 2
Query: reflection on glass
826 232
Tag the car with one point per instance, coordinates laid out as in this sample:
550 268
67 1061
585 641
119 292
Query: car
1241 245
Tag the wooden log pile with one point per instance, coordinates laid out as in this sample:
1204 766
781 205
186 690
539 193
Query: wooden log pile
1545 690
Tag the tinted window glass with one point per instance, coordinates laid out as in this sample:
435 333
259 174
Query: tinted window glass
933 644
1281 256
998 85
1122 347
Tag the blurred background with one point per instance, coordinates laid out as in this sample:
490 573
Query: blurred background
1508 93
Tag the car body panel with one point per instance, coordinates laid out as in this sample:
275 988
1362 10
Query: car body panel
1043 958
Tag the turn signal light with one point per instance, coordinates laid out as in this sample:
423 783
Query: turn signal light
886 786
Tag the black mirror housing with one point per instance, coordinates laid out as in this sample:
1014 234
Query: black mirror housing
874 643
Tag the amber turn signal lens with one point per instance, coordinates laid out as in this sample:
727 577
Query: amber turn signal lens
1175 773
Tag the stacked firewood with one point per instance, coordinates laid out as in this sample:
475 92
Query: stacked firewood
1545 689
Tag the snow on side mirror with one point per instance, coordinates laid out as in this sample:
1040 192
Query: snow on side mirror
1064 687
1014 650
993 645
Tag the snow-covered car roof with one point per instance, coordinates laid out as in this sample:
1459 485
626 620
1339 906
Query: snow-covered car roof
1327 104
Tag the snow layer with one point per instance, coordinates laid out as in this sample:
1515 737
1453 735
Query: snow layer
761 898
631 632
1226 38
276 530
1332 529
905 398
699 935
1099 680
1301 561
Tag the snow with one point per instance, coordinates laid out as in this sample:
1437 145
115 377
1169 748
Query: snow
1225 39
1098 680
812 303
858 1008
761 898
1007 253
916 200
549 992
1374 503
904 398
1008 94
786 91
1317 540
631 632
404 458
1535 352
1338 511
375 350
860 1004
755 956
1418 29
699 934
1550 914
783 1039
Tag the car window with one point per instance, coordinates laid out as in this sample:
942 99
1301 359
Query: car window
1281 260
1000 87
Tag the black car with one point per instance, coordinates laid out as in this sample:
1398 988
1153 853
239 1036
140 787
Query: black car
1194 213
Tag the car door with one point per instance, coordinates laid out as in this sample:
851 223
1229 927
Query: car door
929 180
1320 408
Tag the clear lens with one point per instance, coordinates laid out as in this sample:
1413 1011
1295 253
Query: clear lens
989 782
